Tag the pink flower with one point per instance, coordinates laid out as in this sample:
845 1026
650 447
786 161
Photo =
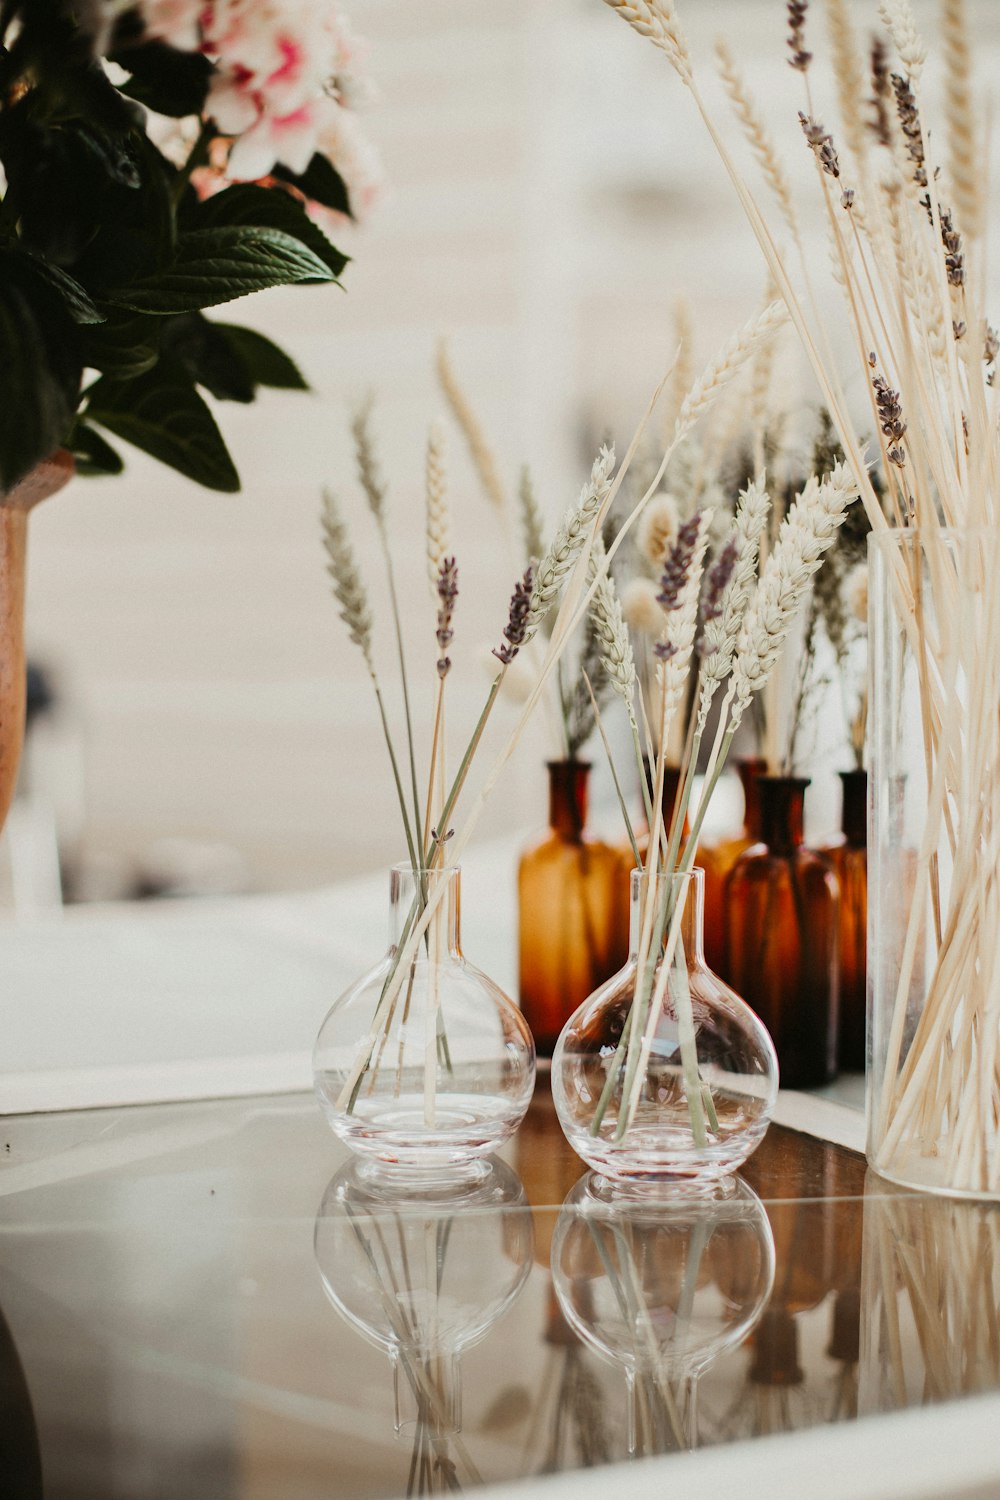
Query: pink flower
291 139
286 72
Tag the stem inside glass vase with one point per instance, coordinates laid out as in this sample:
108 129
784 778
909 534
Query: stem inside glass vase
669 930
409 892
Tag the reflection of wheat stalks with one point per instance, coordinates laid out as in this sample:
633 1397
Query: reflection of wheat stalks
930 1279
433 1470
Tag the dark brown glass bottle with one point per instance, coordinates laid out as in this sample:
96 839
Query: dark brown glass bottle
717 857
849 856
782 907
573 900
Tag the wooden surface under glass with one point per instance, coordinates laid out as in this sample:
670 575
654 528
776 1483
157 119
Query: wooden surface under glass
206 1300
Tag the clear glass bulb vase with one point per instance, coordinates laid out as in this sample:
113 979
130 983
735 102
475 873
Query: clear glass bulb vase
424 1065
664 1074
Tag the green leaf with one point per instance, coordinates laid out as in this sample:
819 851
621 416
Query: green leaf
74 297
270 208
164 79
207 357
40 371
124 345
265 362
162 413
93 454
218 265
320 181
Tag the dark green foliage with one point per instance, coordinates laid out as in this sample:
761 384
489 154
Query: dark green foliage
263 361
247 203
162 413
40 370
93 453
107 258
210 266
320 181
165 80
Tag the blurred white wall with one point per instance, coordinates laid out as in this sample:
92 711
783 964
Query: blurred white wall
551 195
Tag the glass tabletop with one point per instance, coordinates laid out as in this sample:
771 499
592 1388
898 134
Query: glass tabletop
210 1300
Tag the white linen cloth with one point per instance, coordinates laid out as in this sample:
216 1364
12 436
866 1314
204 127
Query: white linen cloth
134 1003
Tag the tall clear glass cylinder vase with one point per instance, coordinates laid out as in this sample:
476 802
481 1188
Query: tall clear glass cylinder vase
934 860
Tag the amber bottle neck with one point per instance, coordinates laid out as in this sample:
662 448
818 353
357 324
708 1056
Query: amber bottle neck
750 768
854 815
407 892
568 784
782 808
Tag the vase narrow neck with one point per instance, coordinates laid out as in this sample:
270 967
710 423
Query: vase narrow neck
782 807
408 891
750 768
568 785
686 890
854 815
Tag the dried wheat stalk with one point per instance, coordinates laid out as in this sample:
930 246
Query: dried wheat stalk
914 307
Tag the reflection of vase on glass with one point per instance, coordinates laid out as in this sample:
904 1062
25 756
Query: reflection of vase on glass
572 910
642 1284
782 907
442 1079
849 856
718 856
424 1276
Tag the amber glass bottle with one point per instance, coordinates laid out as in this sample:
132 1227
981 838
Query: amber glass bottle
782 909
718 857
849 856
573 900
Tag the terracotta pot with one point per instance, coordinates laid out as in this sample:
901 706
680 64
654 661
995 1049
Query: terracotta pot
44 480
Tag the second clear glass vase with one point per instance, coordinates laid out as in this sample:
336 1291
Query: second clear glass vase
424 1065
689 1096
